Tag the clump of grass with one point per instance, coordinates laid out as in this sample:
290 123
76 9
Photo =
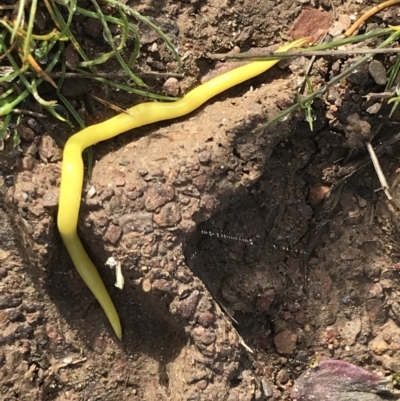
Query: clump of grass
305 102
28 59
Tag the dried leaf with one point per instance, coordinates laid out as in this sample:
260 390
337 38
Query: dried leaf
335 380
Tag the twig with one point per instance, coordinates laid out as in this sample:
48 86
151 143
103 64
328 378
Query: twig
378 169
245 346
226 310
9 7
265 55
382 95
29 113
368 14
110 105
119 74
345 172
372 203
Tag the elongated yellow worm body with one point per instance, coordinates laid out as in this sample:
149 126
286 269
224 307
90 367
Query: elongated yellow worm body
142 114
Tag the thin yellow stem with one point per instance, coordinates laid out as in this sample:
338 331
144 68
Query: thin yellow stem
368 14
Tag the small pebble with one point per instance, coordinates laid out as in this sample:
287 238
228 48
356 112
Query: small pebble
204 156
91 192
113 234
374 109
50 198
318 194
26 133
146 285
171 87
143 172
377 72
120 181
169 215
343 22
27 163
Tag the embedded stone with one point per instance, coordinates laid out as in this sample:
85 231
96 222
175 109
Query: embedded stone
200 181
206 319
187 307
162 285
285 342
8 301
139 221
158 195
113 233
169 216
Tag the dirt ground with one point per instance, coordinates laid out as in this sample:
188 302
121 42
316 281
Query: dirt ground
239 272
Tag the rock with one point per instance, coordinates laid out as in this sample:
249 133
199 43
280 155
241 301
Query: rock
162 285
202 384
395 311
169 216
149 35
120 181
3 317
113 234
171 87
233 396
204 156
300 318
200 181
282 377
146 285
187 226
33 318
48 150
91 192
27 163
351 330
376 310
114 204
33 124
50 198
15 315
203 335
377 72
9 301
378 346
285 342
374 109
357 131
25 132
141 222
106 194
15 331
158 195
206 319
29 307
187 307
342 24
267 387
359 77
318 194
376 291
72 57
311 22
